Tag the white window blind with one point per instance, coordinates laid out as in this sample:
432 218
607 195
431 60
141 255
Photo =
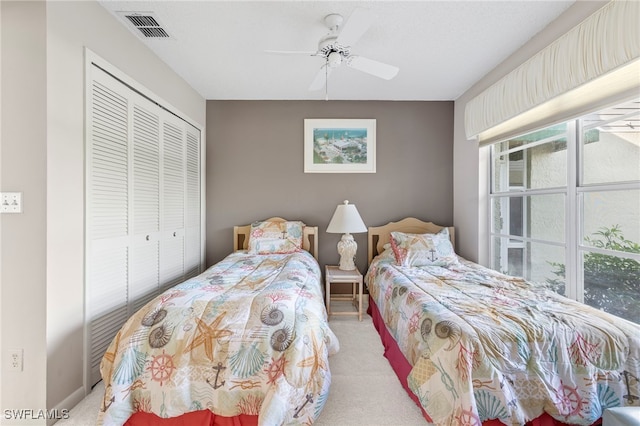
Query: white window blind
596 64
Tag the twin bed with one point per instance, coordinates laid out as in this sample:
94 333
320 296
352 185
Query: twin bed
472 346
244 343
247 342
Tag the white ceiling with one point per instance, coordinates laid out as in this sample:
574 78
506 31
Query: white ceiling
441 47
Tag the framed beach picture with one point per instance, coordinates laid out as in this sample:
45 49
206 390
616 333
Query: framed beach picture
339 145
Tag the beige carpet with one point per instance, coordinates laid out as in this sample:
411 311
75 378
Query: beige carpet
364 388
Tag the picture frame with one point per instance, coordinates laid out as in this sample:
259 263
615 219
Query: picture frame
339 145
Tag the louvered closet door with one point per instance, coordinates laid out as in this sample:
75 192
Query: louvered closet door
145 256
143 207
107 215
192 208
172 248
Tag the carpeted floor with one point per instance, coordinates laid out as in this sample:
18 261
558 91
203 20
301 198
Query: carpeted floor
364 388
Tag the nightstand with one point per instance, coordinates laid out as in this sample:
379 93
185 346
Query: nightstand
334 275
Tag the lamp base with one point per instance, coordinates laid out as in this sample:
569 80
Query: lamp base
347 248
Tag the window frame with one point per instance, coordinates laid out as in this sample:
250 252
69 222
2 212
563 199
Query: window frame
521 191
574 193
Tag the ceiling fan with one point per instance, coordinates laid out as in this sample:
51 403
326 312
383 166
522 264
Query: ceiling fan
335 48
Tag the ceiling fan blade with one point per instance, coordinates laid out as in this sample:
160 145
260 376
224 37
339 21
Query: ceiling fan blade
321 78
358 23
372 67
291 52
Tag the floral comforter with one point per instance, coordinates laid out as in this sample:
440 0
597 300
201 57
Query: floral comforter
483 345
247 336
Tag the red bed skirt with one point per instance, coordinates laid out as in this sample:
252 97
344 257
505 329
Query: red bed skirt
195 418
402 368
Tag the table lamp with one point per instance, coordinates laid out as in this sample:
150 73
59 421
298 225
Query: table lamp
346 220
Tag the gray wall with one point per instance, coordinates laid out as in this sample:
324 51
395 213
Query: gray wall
255 168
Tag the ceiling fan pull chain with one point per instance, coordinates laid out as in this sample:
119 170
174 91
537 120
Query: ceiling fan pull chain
326 80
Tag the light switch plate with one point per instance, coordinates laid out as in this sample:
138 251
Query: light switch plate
10 202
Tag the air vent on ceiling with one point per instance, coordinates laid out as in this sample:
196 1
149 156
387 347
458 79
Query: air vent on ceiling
146 23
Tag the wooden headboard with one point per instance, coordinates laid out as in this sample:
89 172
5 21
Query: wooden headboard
309 237
378 236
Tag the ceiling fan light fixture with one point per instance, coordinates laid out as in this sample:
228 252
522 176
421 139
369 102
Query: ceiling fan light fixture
334 59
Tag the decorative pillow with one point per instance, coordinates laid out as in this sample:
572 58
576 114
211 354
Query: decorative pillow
275 237
423 249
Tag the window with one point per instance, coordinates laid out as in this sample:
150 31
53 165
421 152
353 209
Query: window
565 208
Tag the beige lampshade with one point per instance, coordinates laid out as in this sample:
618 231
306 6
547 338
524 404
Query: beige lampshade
346 220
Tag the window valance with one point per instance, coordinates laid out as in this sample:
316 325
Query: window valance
595 64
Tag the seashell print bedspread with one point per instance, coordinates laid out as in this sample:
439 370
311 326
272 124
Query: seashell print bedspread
484 345
247 336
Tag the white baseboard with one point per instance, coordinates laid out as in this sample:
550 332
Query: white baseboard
68 403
